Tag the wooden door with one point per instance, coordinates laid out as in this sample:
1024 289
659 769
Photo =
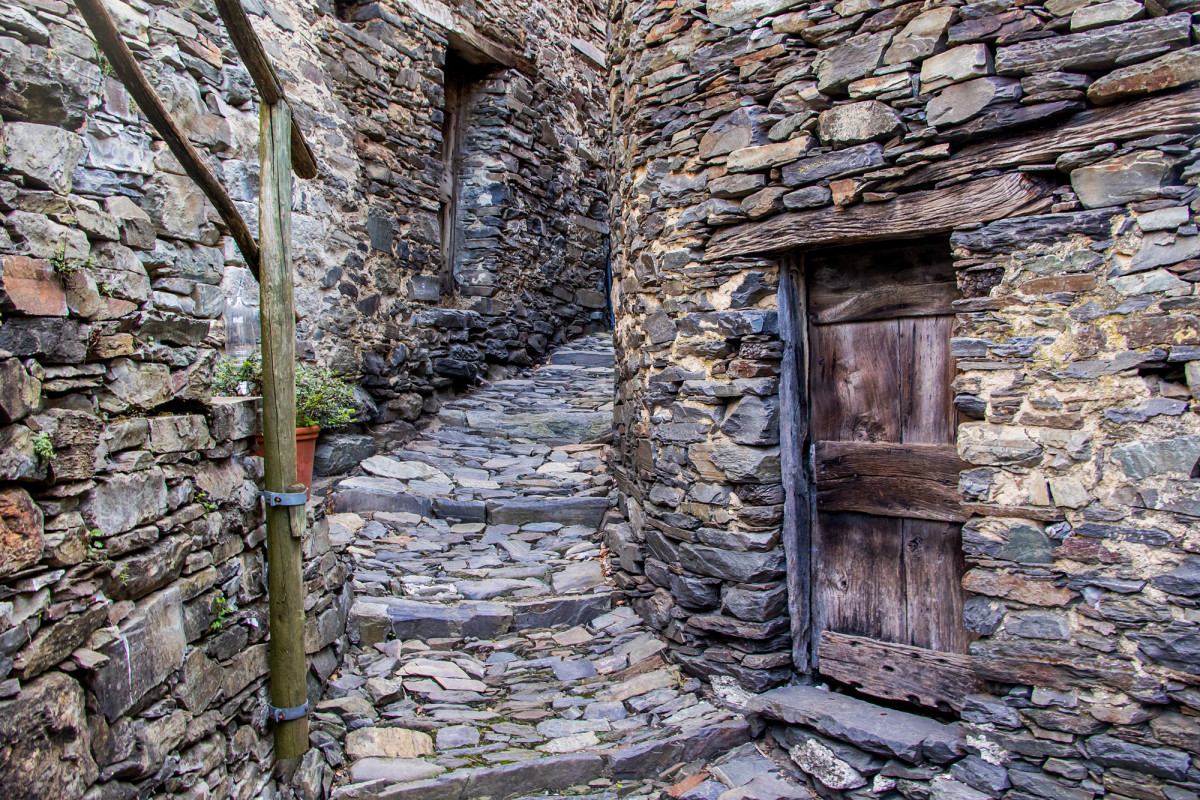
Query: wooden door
886 544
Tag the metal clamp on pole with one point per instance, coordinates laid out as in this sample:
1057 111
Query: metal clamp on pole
287 714
284 498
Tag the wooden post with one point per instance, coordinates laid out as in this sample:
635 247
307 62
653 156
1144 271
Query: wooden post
285 524
793 429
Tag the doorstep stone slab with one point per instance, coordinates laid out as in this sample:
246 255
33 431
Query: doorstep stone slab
411 619
865 725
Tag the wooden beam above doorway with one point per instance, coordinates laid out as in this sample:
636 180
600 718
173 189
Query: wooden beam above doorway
473 46
909 215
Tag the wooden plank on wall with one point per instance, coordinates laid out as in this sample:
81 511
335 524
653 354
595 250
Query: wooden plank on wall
892 497
927 371
933 462
856 382
933 568
916 214
1177 113
885 301
898 671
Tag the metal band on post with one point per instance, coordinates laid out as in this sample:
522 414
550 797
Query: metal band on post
274 499
288 714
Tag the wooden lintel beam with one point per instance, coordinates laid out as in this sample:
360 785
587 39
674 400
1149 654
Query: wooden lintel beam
108 38
473 46
909 215
478 49
270 89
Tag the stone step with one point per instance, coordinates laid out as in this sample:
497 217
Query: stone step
364 494
552 773
576 426
555 773
588 511
649 759
873 728
583 358
374 619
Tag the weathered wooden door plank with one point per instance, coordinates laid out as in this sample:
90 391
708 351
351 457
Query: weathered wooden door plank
911 215
894 480
898 671
859 583
933 567
933 462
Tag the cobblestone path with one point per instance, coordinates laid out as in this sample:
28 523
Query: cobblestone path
490 657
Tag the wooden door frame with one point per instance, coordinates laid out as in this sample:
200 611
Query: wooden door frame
795 455
798 460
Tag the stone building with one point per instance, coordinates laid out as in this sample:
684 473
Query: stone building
907 351
906 355
133 614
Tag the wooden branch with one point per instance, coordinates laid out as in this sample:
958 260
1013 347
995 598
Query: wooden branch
910 215
115 50
1160 114
270 90
899 671
285 524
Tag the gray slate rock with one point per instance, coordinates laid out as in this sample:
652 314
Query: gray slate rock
651 758
1096 50
588 511
1110 751
836 164
870 727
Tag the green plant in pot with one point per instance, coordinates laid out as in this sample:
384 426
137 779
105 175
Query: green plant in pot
323 400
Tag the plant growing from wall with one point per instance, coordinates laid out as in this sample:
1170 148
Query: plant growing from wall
223 608
43 446
207 503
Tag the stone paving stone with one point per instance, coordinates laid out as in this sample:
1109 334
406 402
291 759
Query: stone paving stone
498 637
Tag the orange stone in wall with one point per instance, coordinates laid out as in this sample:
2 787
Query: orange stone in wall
20 531
30 286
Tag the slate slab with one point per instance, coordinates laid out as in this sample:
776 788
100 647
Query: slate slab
651 758
865 725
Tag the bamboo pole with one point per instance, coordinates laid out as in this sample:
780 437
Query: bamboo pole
123 63
285 524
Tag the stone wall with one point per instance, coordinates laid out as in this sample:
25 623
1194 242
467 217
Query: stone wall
1076 344
532 206
133 615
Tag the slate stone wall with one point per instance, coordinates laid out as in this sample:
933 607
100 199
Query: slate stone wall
1076 344
133 613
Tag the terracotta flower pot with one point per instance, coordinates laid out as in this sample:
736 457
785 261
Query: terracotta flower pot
306 445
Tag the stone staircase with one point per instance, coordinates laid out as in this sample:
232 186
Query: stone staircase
490 656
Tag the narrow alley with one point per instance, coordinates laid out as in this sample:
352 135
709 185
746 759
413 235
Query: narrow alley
490 656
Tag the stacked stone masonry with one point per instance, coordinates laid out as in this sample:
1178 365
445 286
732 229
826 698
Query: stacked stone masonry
133 613
1076 341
